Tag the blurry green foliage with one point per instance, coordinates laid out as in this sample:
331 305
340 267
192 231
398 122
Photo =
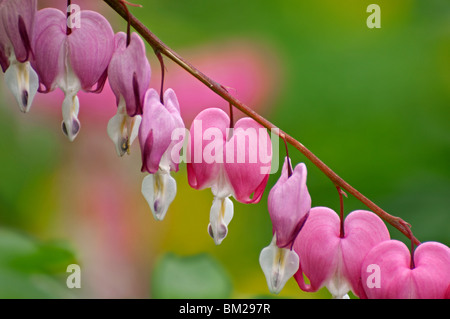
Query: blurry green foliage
28 159
31 269
193 277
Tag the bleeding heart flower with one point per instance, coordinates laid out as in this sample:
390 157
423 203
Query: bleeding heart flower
129 77
17 18
289 203
426 276
73 61
330 260
161 136
231 162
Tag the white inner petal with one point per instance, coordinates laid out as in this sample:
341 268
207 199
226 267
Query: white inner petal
221 187
70 109
220 216
338 285
123 129
159 190
23 82
278 265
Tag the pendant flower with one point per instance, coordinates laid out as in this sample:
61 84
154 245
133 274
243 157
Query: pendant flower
73 61
289 203
330 260
17 18
129 77
161 135
427 277
230 162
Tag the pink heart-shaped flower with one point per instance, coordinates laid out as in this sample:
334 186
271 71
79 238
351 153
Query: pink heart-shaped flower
232 162
387 274
330 260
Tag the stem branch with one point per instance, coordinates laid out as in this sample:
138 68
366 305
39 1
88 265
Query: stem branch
341 210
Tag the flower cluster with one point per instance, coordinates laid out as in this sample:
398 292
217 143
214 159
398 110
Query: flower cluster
40 51
355 254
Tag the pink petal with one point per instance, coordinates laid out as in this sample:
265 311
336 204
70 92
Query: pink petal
431 272
246 172
202 172
155 131
429 278
173 107
48 44
90 48
289 203
317 245
363 230
393 258
325 256
129 72
17 17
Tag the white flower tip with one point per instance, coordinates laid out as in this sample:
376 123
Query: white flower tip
218 234
71 128
23 83
220 216
346 296
278 265
123 130
70 108
159 190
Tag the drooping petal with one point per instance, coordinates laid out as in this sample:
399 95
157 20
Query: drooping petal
49 40
155 131
18 19
289 203
23 82
317 246
90 49
129 72
159 190
335 262
431 272
246 172
278 265
220 216
363 231
428 279
205 149
173 107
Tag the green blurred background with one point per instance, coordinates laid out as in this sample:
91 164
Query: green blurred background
373 104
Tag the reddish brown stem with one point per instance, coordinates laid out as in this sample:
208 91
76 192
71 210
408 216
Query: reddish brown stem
163 69
288 159
158 45
341 210
68 29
